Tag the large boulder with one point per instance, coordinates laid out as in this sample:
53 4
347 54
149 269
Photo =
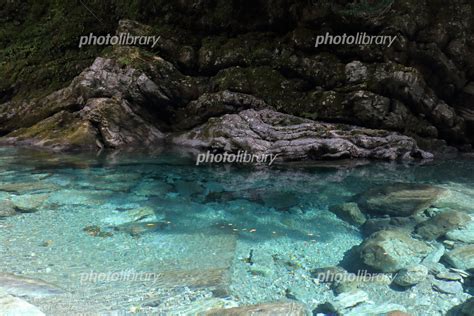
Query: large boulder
398 199
293 138
392 250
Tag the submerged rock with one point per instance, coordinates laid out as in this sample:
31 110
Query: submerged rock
399 199
294 138
447 287
392 250
24 286
265 309
7 208
441 223
349 212
463 234
461 257
29 203
401 223
14 306
411 275
345 301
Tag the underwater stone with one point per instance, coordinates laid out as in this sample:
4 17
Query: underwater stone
464 233
461 257
441 223
392 250
376 310
24 286
349 212
7 208
447 287
411 275
346 300
14 306
399 199
29 203
265 309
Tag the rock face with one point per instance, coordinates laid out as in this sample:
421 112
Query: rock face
421 86
392 250
294 138
400 199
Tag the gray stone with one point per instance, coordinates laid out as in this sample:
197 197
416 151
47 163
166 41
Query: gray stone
392 250
349 212
411 275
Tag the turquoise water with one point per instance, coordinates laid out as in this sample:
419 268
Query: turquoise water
219 235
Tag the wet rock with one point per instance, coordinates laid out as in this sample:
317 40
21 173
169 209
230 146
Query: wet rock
464 234
461 257
441 223
447 287
14 306
265 309
392 250
349 212
294 138
7 208
411 275
399 199
24 286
